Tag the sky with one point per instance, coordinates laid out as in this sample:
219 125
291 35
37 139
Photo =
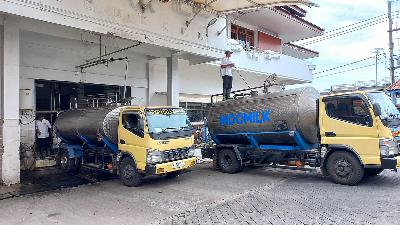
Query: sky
332 14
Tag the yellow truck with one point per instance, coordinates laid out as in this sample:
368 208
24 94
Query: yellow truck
131 141
347 135
362 127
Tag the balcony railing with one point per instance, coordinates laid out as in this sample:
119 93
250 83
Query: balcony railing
252 52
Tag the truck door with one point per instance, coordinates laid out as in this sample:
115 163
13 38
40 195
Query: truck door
131 136
346 120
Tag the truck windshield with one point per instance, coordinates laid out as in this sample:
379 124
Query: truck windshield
167 120
388 109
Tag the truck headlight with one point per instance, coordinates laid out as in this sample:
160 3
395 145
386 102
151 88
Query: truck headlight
191 152
388 147
154 157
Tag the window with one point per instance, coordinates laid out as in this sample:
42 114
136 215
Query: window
132 122
388 109
351 109
196 111
165 120
243 35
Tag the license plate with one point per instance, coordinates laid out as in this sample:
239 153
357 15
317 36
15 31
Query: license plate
178 165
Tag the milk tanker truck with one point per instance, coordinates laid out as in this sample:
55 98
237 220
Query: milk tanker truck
347 135
130 141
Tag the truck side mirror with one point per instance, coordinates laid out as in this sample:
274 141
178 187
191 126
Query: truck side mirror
377 109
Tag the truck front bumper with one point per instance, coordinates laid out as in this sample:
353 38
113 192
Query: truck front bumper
168 167
390 163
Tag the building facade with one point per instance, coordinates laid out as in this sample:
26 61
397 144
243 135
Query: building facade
261 40
57 55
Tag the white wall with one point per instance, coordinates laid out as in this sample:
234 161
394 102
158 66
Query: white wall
53 58
202 79
125 19
205 79
158 82
284 66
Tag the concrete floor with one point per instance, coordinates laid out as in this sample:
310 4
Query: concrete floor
193 198
109 202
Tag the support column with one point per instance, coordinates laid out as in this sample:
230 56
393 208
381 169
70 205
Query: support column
172 81
157 82
9 92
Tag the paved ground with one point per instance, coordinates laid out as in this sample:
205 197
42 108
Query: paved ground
204 196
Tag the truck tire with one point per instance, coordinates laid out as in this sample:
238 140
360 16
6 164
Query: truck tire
370 172
228 162
129 174
344 168
173 174
69 165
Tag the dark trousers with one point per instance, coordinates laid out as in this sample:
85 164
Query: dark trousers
43 145
227 86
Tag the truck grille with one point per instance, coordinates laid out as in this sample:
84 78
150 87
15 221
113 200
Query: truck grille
175 154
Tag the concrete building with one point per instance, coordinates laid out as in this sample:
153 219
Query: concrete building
57 55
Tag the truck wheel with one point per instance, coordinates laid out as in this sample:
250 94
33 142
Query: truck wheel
129 174
228 162
344 168
69 165
369 172
173 174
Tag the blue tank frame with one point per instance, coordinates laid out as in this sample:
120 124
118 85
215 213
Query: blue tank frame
301 143
75 150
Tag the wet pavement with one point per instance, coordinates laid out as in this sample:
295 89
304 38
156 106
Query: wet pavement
51 178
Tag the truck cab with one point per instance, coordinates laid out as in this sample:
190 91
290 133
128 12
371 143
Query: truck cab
153 141
359 134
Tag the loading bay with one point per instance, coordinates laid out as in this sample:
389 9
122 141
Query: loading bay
202 196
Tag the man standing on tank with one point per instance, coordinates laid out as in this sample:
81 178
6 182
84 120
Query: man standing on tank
226 73
43 136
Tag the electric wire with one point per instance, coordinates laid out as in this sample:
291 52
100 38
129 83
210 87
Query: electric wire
341 33
349 28
369 20
359 22
341 72
344 65
323 38
338 34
